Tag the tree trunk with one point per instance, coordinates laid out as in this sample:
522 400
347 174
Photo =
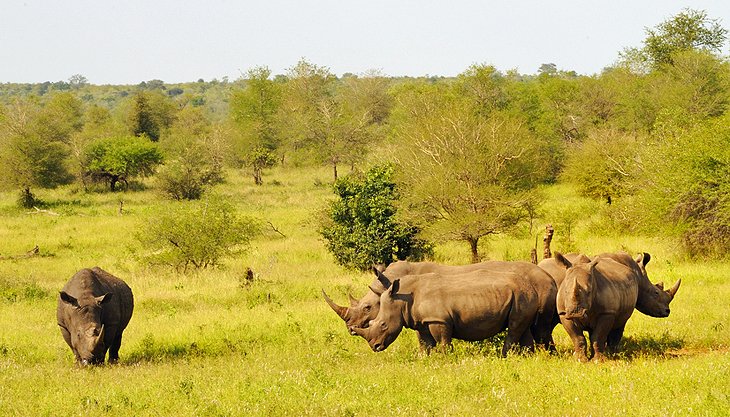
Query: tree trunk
546 241
257 176
334 170
474 245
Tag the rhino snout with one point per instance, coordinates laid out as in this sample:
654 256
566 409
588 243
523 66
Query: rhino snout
378 347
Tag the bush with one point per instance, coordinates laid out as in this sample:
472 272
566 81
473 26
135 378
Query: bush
187 176
196 234
360 227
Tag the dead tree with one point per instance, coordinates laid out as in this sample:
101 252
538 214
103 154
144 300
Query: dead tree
546 241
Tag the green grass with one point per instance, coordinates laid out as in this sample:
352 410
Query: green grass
206 344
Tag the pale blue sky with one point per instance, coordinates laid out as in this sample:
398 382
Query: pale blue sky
129 41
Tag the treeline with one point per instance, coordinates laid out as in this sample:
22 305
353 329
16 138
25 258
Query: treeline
649 136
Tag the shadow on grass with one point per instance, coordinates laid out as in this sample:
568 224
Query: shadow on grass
646 346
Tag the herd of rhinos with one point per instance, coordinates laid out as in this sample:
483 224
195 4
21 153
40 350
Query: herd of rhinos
440 302
475 302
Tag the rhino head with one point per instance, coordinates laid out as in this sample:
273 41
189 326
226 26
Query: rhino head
576 290
387 325
85 327
362 311
653 299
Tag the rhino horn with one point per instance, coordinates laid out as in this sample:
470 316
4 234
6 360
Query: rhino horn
674 288
362 332
341 311
100 338
353 301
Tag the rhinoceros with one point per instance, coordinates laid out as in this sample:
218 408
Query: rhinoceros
468 306
362 311
94 308
598 297
653 299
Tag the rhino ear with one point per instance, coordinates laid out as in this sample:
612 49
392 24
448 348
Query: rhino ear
643 258
69 299
562 260
102 299
394 288
384 281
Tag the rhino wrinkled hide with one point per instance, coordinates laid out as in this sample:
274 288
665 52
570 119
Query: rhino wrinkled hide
94 308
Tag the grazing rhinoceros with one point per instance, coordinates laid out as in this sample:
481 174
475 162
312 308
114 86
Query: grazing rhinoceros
362 311
598 297
468 306
94 308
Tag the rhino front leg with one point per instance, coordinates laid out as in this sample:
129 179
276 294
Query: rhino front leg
599 336
579 340
114 349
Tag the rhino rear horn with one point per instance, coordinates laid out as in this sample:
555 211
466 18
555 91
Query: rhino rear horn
341 311
353 301
672 291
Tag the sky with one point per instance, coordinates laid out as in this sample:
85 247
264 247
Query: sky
130 41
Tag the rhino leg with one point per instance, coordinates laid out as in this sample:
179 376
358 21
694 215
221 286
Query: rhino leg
599 336
579 340
114 348
614 338
426 342
441 333
527 341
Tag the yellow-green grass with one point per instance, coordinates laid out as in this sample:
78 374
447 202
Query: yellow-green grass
205 343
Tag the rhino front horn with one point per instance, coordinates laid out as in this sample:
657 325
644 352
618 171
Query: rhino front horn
341 311
674 289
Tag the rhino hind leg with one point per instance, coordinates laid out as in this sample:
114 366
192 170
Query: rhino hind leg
441 334
426 342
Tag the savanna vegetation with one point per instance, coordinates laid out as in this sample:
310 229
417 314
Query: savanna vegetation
306 178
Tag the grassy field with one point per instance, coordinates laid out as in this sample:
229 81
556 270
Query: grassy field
206 344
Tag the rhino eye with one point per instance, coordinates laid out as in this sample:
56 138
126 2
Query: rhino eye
366 308
383 326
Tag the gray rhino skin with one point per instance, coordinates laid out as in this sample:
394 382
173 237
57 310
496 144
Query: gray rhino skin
468 306
597 297
94 308
362 311
653 299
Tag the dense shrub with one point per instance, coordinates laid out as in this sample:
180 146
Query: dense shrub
188 175
120 159
360 227
197 234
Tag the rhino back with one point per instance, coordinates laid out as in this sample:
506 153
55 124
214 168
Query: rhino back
471 300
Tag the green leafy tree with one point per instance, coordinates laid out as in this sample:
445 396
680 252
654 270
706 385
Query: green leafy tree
688 30
151 113
253 110
604 165
464 176
361 228
32 154
686 183
193 156
196 234
330 121
120 159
